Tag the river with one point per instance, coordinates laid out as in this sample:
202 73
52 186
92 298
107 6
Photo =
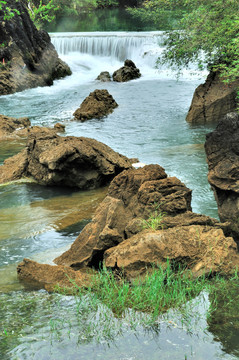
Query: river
40 223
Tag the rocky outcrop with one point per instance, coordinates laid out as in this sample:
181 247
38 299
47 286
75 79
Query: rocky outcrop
27 57
131 200
104 76
64 161
121 232
98 104
12 128
222 149
212 100
127 72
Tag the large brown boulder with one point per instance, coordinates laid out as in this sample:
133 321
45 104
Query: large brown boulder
27 57
98 104
212 100
64 161
202 249
222 149
132 198
127 72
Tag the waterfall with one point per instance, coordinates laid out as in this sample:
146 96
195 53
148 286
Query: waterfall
141 47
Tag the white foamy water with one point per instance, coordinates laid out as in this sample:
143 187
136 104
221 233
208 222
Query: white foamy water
93 52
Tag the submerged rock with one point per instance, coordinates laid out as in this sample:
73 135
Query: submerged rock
222 150
212 100
98 104
27 57
127 72
104 76
64 161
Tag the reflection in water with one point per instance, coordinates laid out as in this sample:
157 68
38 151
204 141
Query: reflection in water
53 327
223 323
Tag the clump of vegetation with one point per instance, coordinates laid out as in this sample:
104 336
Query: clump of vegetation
160 289
155 220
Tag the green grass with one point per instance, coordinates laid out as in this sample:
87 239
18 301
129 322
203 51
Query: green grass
156 292
155 220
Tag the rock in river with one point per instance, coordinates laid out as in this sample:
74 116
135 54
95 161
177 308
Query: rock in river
98 104
127 72
64 161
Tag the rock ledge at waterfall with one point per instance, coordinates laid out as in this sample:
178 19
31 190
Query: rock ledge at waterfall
117 234
27 57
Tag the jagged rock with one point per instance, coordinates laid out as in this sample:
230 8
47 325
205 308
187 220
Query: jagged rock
9 125
204 250
27 57
127 72
212 100
131 199
104 76
64 161
222 149
50 277
98 104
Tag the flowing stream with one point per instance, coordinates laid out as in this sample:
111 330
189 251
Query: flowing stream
40 223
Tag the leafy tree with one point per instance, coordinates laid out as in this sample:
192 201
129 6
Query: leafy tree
208 27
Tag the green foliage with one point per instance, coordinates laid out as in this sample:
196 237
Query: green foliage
42 13
160 289
155 220
8 12
208 26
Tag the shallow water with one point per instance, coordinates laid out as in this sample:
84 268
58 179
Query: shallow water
39 222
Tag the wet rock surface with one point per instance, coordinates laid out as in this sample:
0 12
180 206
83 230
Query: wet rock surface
27 57
212 100
98 104
222 150
64 161
127 72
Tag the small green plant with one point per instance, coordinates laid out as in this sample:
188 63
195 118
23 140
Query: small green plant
155 220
